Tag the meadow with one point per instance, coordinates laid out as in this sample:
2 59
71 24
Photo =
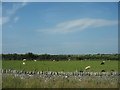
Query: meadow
65 66
19 81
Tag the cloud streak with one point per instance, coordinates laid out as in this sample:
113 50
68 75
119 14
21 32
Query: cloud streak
16 7
79 25
12 11
5 20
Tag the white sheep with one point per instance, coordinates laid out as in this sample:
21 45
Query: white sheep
103 61
35 60
88 67
68 59
24 59
23 63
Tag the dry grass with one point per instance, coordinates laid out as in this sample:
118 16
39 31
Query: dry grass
36 82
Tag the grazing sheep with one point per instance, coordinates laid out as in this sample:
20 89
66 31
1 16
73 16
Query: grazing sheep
23 63
24 59
68 59
102 63
35 60
88 67
102 70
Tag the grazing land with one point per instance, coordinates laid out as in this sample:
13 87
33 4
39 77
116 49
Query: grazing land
65 66
58 81
36 81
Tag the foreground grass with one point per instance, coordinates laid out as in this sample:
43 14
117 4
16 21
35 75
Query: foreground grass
66 66
36 82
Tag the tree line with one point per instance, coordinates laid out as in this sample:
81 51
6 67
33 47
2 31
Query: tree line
32 56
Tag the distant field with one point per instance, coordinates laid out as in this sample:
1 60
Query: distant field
66 66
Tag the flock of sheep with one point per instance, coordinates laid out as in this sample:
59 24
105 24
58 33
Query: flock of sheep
65 74
112 72
102 63
86 68
25 60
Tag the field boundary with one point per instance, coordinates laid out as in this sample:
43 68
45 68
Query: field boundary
60 73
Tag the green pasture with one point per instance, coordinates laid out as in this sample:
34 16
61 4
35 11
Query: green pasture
66 66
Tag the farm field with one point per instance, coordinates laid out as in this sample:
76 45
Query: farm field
54 81
65 66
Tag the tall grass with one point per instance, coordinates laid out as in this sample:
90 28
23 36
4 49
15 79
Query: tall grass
36 82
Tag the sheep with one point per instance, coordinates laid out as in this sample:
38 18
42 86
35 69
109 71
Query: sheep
88 67
102 63
23 63
24 59
68 59
102 70
35 60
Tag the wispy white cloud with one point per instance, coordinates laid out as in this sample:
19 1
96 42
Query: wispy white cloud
11 12
4 20
16 7
0 20
0 9
79 25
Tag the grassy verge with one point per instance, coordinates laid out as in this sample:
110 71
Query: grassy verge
36 82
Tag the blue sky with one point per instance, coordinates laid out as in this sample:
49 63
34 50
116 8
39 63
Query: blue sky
60 28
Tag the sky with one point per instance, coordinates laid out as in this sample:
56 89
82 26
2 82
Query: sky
60 27
0 29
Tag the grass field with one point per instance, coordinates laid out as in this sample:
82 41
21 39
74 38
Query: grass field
66 66
11 81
